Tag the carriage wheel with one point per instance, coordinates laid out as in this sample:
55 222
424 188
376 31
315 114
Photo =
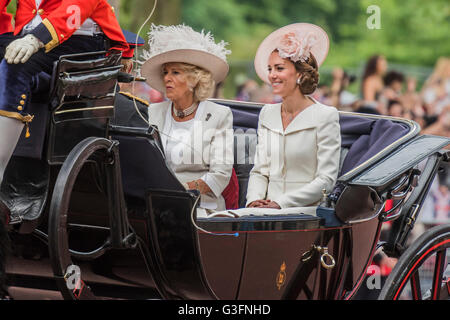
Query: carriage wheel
422 272
67 275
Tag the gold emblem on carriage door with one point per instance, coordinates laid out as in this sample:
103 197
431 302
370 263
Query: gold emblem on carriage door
281 277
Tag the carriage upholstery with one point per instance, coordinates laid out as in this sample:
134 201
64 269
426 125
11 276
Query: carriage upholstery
78 98
362 139
82 100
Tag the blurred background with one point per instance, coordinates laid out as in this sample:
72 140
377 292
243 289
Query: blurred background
412 36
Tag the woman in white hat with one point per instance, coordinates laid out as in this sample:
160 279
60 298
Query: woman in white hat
197 135
298 150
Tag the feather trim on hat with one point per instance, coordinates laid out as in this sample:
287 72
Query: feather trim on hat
167 38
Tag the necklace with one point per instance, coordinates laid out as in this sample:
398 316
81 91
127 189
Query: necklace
186 112
290 116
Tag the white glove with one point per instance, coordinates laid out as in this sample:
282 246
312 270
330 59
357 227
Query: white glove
20 50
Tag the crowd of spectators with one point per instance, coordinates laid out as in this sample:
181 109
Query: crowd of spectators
382 91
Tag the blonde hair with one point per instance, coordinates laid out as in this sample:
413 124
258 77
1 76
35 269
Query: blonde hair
198 79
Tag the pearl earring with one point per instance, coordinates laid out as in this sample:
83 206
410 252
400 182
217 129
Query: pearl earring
298 80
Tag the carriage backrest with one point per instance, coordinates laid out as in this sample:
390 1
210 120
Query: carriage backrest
82 100
365 140
73 103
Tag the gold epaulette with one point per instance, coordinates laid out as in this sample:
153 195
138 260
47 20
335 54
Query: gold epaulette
129 95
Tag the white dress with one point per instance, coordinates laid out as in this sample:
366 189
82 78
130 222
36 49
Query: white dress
294 165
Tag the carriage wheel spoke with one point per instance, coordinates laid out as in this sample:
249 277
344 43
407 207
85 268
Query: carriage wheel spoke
438 274
415 286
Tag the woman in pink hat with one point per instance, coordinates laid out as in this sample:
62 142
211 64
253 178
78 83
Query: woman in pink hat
297 156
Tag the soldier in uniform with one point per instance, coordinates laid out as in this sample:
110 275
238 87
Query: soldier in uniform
45 30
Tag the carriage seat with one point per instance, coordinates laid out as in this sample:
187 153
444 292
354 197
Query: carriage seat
361 139
244 154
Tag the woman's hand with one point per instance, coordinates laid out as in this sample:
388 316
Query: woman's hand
271 205
258 203
199 185
264 204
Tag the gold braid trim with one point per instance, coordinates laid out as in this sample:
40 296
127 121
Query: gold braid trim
129 95
15 115
55 40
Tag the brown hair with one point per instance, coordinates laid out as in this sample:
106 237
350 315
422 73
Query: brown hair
309 74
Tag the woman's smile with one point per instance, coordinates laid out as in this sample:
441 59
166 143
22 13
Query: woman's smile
282 75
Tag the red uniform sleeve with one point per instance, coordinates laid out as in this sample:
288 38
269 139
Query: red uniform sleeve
59 24
63 21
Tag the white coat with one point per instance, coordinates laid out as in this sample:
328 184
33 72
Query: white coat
209 152
293 166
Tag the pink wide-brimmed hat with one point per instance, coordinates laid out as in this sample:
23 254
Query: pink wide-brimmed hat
295 42
181 43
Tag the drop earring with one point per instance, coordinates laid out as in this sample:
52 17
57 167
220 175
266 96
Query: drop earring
298 80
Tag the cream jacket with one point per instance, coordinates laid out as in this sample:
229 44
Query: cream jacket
293 166
207 153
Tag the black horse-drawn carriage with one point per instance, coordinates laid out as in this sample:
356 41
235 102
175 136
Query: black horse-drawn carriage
98 213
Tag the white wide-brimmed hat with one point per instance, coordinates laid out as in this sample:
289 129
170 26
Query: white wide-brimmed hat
182 44
295 42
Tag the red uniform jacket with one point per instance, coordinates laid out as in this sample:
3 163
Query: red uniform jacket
5 18
61 18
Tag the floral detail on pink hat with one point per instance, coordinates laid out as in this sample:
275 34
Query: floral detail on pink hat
294 48
297 41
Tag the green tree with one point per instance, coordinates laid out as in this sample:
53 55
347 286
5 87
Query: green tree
412 32
133 13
